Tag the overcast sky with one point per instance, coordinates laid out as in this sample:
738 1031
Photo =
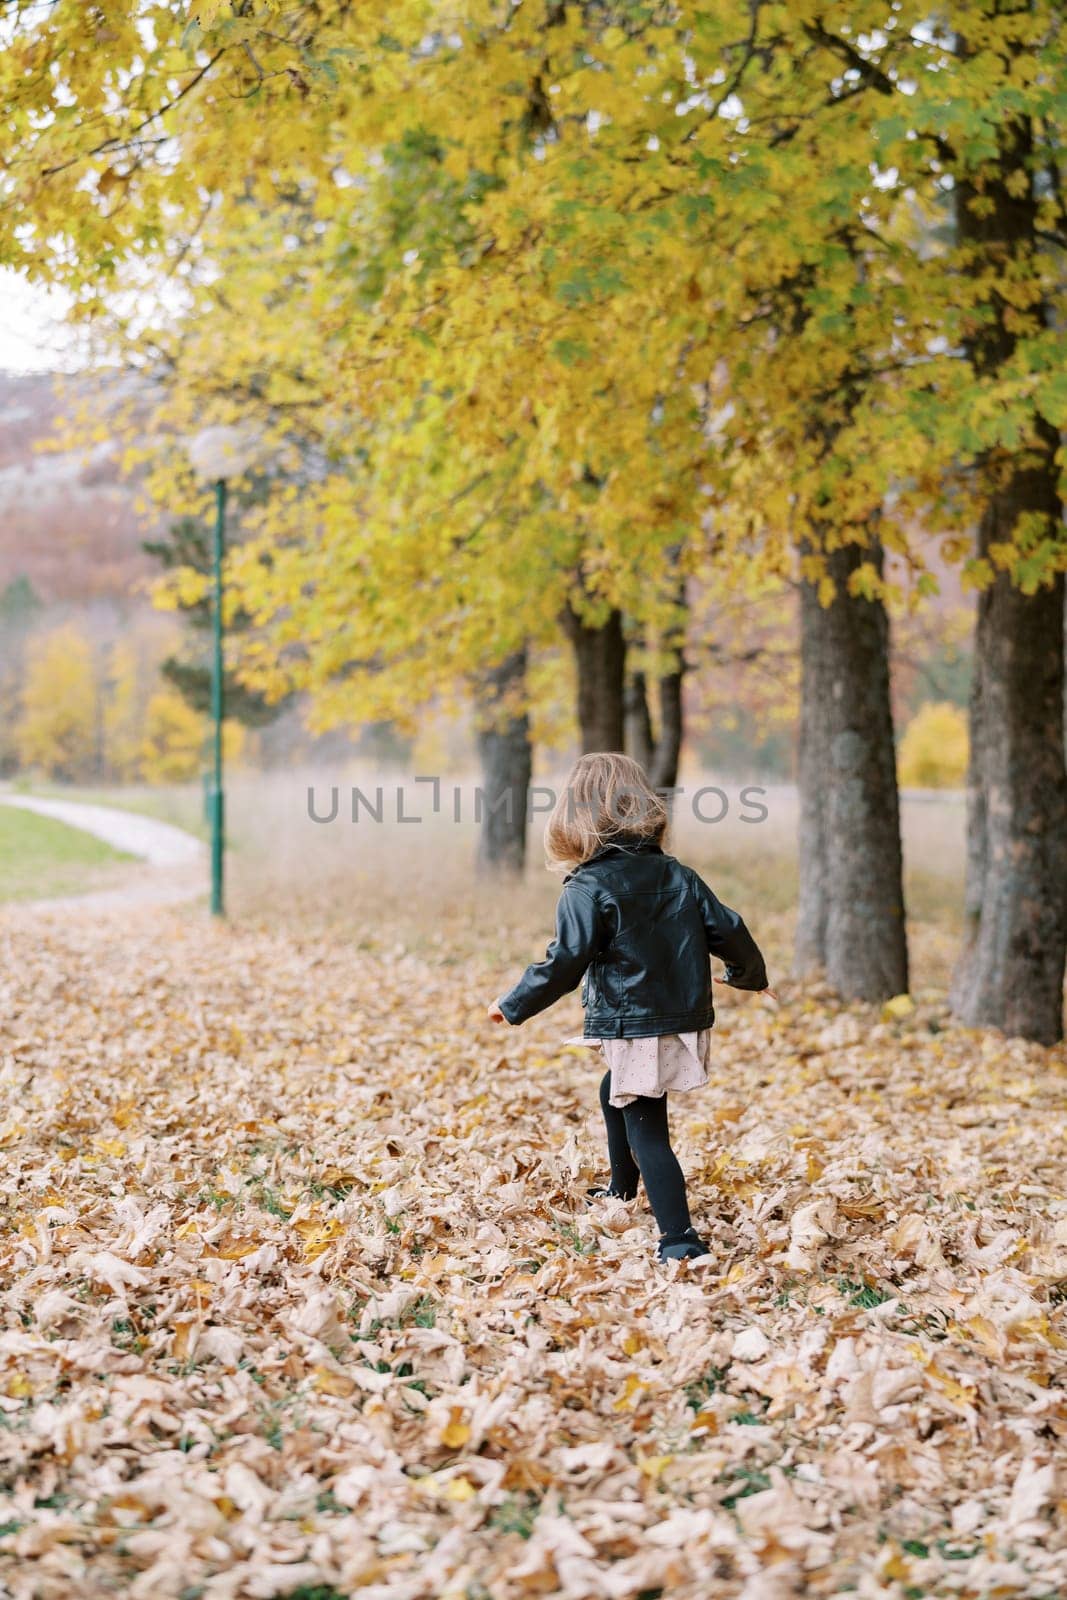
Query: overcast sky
32 335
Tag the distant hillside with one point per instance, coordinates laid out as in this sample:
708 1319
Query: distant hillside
67 521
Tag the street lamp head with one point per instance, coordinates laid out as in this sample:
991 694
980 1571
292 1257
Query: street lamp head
224 451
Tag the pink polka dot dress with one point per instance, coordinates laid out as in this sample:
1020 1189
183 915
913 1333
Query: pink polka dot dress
667 1061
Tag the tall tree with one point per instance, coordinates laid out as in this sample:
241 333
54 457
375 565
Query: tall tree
658 746
850 917
503 732
600 657
1012 967
657 750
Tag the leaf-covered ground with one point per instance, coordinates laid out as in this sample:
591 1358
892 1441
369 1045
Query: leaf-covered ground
303 1299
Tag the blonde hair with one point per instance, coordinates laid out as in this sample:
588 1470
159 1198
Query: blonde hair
605 795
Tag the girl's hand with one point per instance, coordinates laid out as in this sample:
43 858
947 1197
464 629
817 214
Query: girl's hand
494 1013
767 991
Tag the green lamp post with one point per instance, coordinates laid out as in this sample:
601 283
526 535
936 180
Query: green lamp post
218 454
218 707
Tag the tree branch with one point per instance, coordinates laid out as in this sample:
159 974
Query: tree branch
115 143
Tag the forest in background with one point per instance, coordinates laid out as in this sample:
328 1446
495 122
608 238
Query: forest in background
82 648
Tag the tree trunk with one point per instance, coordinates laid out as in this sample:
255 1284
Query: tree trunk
851 905
813 764
1011 970
658 753
600 654
659 756
638 720
663 773
503 734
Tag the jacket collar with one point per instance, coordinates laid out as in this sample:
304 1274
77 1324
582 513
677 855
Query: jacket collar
626 844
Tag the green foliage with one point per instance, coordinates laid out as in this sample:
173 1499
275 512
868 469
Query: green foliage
188 547
516 1514
20 603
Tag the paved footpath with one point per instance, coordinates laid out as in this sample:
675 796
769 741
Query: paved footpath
175 857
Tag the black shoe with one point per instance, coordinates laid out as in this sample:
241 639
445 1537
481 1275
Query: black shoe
607 1192
687 1246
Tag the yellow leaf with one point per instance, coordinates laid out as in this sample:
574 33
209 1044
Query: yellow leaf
337 1177
630 1389
983 1331
236 1249
19 1386
327 1381
317 1235
460 1489
456 1431
705 1420
958 1393
206 11
731 1113
895 1010
435 1265
1031 1328
179 1346
653 1466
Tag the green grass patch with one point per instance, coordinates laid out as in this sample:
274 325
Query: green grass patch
315 1591
41 858
516 1514
749 1480
863 1295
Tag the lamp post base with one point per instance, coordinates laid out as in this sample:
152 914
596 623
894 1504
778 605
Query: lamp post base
217 811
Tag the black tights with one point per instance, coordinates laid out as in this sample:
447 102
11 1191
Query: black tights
639 1146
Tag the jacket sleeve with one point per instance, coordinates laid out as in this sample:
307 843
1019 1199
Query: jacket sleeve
578 937
730 940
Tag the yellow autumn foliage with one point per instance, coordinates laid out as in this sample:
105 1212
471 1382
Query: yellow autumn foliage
57 733
599 323
174 748
124 710
935 748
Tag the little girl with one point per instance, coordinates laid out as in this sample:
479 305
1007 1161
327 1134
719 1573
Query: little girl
638 926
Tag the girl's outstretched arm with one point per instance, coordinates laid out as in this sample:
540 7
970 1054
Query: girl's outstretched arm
730 940
579 935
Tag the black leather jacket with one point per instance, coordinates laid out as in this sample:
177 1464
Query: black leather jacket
638 926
